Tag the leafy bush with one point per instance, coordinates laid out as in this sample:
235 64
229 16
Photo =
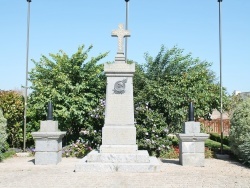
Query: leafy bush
151 129
172 153
174 140
239 136
217 137
170 80
215 146
12 105
74 84
78 149
3 134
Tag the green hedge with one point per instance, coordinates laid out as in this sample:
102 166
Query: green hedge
217 137
215 146
240 131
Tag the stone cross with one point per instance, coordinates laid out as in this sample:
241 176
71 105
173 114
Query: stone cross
120 33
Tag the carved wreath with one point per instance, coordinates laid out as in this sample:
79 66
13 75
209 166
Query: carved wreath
119 87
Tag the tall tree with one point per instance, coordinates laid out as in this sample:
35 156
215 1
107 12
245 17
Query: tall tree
73 85
171 80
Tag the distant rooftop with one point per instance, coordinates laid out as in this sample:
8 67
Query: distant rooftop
216 115
244 95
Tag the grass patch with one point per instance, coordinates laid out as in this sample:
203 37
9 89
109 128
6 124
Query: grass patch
9 153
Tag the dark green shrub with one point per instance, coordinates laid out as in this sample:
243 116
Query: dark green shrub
174 140
3 134
217 137
215 146
151 130
239 136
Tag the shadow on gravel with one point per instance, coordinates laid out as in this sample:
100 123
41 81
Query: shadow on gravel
171 161
32 161
232 159
238 163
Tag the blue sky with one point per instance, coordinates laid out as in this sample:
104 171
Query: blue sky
65 25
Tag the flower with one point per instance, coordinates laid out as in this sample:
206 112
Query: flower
85 132
166 130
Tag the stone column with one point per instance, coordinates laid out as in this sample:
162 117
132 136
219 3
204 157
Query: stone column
119 132
48 143
191 143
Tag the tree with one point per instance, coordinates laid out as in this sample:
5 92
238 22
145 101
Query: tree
12 104
171 80
74 87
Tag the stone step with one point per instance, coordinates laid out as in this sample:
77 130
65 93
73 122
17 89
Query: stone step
141 156
153 165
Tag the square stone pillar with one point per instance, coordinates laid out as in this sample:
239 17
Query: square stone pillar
119 132
48 143
192 145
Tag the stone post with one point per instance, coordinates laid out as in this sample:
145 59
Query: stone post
48 141
191 143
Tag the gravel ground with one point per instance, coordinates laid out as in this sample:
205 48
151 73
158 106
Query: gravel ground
21 172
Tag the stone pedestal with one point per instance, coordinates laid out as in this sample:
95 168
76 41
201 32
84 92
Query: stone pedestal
48 143
191 145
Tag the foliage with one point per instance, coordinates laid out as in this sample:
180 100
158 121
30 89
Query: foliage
3 134
173 153
217 137
163 87
93 136
208 153
174 140
9 153
234 101
78 149
239 136
74 87
151 129
171 80
12 105
215 146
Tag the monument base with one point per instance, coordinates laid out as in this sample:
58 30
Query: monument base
192 149
48 143
138 161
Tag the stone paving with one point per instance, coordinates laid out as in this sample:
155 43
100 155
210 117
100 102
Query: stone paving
21 172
